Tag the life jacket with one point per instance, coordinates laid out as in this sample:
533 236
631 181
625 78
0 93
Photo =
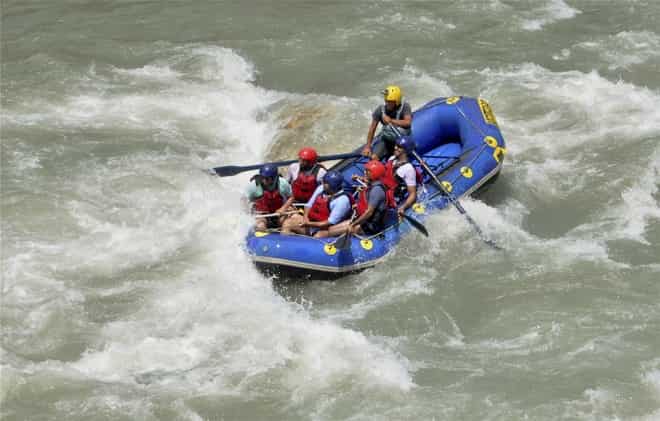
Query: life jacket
304 185
271 199
363 203
320 210
396 186
404 131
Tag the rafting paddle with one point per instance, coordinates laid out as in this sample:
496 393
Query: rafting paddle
416 224
229 170
342 242
454 201
268 215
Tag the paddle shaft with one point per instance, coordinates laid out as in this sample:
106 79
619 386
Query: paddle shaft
450 196
454 201
268 215
229 170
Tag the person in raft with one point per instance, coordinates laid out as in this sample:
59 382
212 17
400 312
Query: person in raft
401 177
395 112
267 192
304 177
328 206
373 203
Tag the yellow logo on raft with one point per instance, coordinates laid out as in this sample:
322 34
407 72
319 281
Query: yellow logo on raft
487 112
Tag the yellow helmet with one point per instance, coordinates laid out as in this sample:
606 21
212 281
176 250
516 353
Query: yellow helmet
393 93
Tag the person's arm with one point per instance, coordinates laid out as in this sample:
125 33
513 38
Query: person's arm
338 208
285 188
249 196
364 217
306 222
370 137
287 204
285 191
291 170
407 172
319 176
404 122
410 200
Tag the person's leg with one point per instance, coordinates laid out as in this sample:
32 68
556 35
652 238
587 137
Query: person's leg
321 234
336 230
341 227
383 146
292 225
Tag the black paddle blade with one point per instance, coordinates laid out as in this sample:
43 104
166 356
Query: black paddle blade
342 242
416 224
229 170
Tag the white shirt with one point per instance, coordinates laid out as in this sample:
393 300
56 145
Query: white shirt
406 172
294 169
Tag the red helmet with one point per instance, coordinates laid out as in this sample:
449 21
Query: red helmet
376 169
308 154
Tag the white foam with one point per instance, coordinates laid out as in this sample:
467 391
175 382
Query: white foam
558 119
651 376
219 332
551 11
521 345
160 73
201 325
638 205
503 226
422 24
424 87
24 161
625 49
392 294
214 95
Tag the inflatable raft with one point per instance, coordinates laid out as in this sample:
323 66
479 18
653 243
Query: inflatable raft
459 139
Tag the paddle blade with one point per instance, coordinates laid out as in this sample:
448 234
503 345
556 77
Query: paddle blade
342 242
229 170
416 224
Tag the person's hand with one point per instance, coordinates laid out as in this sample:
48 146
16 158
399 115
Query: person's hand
366 151
352 229
400 211
387 119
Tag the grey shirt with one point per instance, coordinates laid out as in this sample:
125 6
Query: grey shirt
378 112
376 197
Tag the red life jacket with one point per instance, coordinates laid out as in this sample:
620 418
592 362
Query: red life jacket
363 203
320 210
304 185
396 186
391 180
271 200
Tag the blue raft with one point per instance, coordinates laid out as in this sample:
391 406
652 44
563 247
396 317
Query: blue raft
459 139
